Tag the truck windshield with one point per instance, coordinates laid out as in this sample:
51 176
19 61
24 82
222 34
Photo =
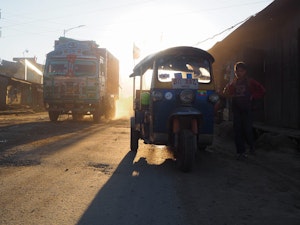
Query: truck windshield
57 67
78 68
84 68
184 68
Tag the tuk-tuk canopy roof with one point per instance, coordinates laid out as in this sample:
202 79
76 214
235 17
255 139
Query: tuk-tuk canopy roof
147 62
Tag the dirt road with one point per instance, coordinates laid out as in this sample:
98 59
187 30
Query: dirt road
83 173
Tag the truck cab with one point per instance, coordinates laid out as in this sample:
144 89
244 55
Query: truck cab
80 79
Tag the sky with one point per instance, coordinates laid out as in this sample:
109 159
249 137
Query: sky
29 28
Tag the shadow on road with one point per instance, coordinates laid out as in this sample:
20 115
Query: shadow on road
137 193
23 144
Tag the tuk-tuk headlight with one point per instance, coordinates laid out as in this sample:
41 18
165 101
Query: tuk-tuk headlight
213 98
157 96
186 96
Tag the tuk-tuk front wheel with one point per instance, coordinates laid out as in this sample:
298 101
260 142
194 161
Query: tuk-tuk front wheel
186 151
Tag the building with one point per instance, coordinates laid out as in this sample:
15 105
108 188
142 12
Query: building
21 83
269 43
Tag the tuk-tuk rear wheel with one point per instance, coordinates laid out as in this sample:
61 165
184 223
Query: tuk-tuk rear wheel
186 150
134 139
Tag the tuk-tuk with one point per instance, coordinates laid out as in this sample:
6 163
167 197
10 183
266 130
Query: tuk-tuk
174 96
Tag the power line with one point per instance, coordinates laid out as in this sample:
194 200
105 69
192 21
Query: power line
10 23
227 29
68 13
56 20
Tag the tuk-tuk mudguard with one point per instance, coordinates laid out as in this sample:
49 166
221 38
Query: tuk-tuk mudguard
185 118
186 111
182 114
187 115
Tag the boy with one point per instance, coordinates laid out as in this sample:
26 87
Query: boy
243 90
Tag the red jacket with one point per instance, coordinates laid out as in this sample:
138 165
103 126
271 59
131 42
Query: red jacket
256 89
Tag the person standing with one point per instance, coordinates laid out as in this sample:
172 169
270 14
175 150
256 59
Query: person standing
243 90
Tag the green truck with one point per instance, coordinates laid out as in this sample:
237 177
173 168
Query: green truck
80 79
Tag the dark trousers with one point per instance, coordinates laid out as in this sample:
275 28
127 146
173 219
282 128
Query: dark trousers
242 125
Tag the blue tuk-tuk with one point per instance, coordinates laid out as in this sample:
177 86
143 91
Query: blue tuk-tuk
174 96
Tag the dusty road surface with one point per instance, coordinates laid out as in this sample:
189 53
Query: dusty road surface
83 173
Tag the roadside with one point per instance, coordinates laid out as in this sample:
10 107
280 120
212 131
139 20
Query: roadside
20 109
275 152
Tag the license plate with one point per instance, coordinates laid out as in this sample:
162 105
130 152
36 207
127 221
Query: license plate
178 83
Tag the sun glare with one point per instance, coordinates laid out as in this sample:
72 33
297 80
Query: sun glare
152 28
124 108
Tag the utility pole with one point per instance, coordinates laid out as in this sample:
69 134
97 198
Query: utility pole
0 27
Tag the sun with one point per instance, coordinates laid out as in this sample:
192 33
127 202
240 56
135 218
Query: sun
152 27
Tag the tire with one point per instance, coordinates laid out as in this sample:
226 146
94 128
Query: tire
53 115
186 150
97 114
134 140
96 118
202 147
110 110
110 113
77 116
134 137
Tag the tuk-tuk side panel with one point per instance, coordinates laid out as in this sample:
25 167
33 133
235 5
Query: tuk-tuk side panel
161 110
207 109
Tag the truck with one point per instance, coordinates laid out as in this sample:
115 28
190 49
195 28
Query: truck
80 78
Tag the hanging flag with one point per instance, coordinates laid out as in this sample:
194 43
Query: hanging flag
136 52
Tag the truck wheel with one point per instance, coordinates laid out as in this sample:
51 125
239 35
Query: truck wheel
113 111
53 115
186 150
97 114
96 117
77 116
110 111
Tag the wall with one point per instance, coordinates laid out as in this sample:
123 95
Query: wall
269 44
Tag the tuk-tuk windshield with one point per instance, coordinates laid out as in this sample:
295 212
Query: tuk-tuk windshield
184 68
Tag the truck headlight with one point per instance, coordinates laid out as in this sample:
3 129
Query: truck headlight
186 96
